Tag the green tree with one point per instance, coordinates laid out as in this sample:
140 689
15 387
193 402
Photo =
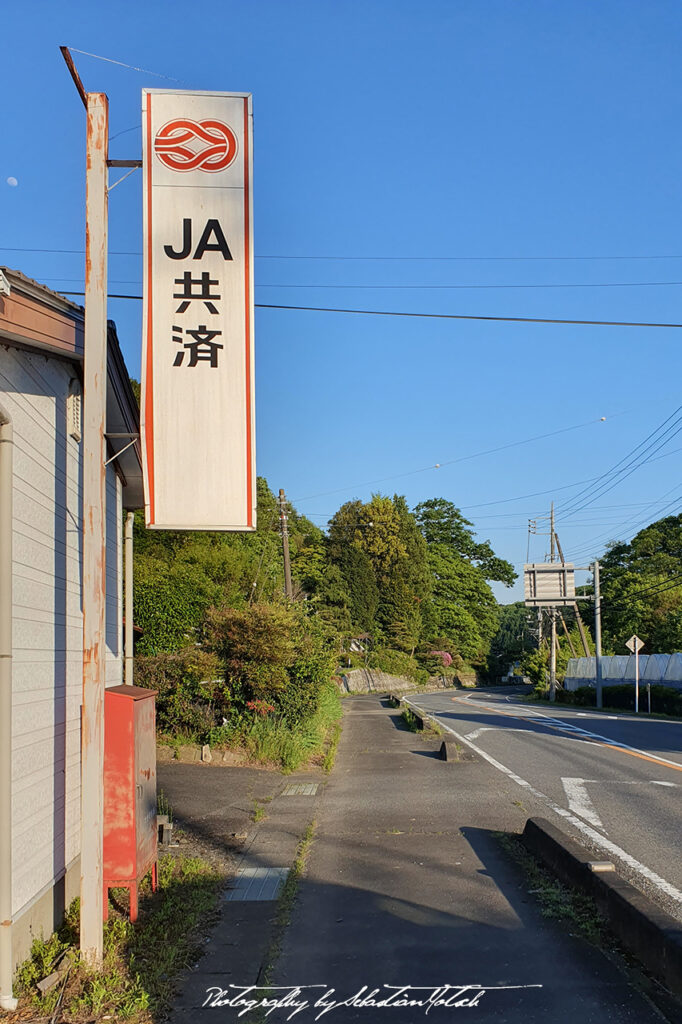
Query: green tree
463 608
382 556
442 523
641 586
512 638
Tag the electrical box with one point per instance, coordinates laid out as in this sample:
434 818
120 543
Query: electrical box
130 831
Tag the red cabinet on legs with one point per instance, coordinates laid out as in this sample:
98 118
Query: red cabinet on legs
130 831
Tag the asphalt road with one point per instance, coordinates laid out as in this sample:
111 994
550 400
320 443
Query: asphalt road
614 782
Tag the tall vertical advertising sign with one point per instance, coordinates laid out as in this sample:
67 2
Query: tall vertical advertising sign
198 416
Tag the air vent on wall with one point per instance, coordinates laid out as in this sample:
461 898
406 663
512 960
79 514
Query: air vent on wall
73 410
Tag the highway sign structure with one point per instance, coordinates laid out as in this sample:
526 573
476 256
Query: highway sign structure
198 418
548 584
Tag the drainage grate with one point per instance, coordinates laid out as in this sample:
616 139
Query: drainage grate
256 884
300 789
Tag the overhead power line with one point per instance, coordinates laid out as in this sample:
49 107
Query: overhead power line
656 440
386 259
463 316
439 316
672 583
428 287
450 462
634 524
467 287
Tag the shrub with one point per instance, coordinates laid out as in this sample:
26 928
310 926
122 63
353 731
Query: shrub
268 664
274 653
664 700
273 739
170 603
397 663
192 698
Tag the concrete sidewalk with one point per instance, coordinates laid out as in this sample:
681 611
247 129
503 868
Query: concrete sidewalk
406 885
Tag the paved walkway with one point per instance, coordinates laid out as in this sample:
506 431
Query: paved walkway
406 885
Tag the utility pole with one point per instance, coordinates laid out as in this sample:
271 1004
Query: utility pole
94 531
552 648
574 653
288 589
94 519
581 628
578 618
597 634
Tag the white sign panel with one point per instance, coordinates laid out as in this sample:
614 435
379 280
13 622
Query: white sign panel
549 583
198 415
634 644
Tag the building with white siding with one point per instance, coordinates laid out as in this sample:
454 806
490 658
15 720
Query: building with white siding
41 354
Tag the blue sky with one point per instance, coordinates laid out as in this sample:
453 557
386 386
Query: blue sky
484 147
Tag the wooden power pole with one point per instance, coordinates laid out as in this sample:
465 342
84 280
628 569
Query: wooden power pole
288 589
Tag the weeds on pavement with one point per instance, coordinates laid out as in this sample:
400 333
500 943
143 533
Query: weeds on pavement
141 960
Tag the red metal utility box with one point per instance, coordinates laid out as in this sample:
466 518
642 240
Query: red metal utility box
130 832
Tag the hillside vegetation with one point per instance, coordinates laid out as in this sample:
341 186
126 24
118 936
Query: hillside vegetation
233 660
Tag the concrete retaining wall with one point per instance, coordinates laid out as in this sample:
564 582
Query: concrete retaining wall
361 680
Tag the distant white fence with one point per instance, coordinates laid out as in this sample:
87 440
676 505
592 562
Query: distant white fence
657 669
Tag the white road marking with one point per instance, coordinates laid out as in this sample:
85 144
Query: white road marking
599 840
477 732
579 801
569 727
490 728
627 782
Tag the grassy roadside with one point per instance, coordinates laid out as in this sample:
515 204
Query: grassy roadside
272 740
141 960
556 900
576 912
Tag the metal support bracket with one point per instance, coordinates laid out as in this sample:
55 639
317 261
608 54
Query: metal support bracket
135 437
123 177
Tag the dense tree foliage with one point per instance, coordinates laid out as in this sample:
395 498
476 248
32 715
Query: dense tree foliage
513 637
463 609
442 523
408 584
641 584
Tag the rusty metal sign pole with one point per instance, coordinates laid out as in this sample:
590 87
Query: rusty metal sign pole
94 530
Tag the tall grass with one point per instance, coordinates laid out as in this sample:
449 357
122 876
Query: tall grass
272 739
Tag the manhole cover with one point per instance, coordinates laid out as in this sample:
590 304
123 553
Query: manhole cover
300 789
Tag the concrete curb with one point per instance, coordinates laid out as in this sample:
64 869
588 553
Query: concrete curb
425 721
651 934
